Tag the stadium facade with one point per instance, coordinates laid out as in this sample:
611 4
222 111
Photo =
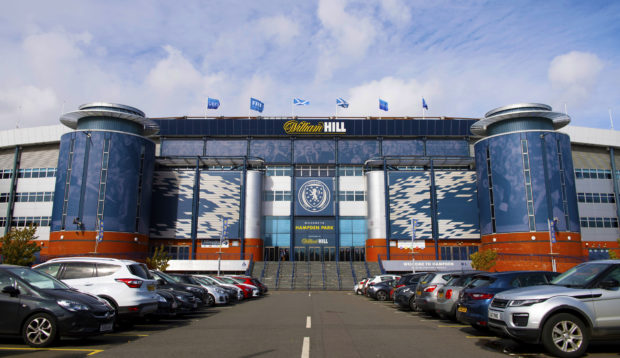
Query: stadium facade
113 182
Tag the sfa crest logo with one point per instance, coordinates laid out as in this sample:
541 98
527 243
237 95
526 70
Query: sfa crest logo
314 196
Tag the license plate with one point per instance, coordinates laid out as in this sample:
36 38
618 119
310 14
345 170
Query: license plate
106 327
440 295
462 309
494 315
418 293
151 287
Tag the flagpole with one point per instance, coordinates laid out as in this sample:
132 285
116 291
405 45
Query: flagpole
292 108
611 120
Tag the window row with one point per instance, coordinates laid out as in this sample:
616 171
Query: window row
40 196
598 222
37 173
451 253
596 198
352 196
25 221
592 173
313 170
277 196
6 173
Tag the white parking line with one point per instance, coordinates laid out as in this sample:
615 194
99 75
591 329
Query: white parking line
305 349
308 322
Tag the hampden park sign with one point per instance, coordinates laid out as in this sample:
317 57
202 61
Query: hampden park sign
303 127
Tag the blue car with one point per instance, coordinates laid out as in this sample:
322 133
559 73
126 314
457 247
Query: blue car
474 300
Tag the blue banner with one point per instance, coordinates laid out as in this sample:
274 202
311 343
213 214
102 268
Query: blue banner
256 105
315 232
314 196
383 105
213 103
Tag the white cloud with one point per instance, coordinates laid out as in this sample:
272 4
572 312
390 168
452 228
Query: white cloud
25 105
279 28
574 75
396 11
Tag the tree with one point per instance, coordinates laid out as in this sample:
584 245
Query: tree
18 246
159 260
613 255
483 260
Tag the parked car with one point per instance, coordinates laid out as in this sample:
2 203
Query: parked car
377 279
215 294
448 295
255 291
580 305
426 291
214 281
474 300
41 308
234 293
358 287
126 285
404 296
382 291
252 281
409 279
165 281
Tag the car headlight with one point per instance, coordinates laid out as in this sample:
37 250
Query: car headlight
220 291
523 303
193 289
161 298
72 305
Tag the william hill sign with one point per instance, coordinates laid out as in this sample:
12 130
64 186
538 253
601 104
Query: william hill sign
303 127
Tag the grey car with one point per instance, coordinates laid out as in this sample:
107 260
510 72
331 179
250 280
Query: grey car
426 291
448 295
581 304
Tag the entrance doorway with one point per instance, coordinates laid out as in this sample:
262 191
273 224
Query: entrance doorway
352 254
315 253
276 253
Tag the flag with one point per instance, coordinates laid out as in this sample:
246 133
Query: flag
342 103
300 102
99 236
553 228
213 103
424 105
383 105
256 105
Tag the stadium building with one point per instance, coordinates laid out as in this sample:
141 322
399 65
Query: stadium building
110 181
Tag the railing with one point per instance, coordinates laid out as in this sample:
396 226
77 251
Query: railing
293 275
278 275
262 274
140 257
250 268
416 256
367 269
353 272
338 274
309 275
223 256
323 272
380 264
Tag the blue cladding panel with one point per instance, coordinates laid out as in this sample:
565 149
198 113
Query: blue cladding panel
395 147
538 178
171 205
61 177
271 150
172 147
147 187
442 148
220 197
357 151
315 151
409 194
93 177
508 183
484 199
571 189
314 196
457 204
230 148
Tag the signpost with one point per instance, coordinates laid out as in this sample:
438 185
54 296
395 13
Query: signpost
552 238
223 241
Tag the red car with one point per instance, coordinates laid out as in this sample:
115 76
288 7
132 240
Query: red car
247 290
253 282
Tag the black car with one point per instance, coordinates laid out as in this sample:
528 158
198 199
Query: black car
381 291
404 296
41 309
165 281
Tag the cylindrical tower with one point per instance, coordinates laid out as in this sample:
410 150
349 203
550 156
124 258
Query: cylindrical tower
525 181
103 184
253 215
376 243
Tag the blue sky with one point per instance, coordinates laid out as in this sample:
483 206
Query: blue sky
166 57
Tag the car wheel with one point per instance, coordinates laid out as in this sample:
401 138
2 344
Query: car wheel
382 296
40 330
480 328
210 300
412 304
565 335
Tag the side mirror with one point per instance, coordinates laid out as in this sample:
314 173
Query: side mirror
609 284
11 291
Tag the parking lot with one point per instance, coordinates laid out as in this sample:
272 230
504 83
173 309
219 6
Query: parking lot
295 324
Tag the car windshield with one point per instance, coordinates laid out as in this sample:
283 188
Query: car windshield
480 281
580 276
38 279
456 281
227 280
166 277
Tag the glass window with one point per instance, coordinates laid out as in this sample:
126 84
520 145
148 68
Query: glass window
50 269
357 151
227 148
350 171
277 231
315 151
76 270
175 147
271 150
106 269
436 147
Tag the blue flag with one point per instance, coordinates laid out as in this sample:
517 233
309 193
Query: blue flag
424 105
383 105
342 103
300 102
256 105
213 103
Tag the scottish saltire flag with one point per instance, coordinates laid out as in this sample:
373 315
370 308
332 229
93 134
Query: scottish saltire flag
342 103
213 103
256 105
300 102
383 105
424 105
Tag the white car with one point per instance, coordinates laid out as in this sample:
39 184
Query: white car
126 285
213 281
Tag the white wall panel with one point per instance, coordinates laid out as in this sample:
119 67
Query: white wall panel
276 208
353 208
33 209
273 183
25 185
352 183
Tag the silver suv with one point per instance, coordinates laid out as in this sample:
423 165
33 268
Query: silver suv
581 304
